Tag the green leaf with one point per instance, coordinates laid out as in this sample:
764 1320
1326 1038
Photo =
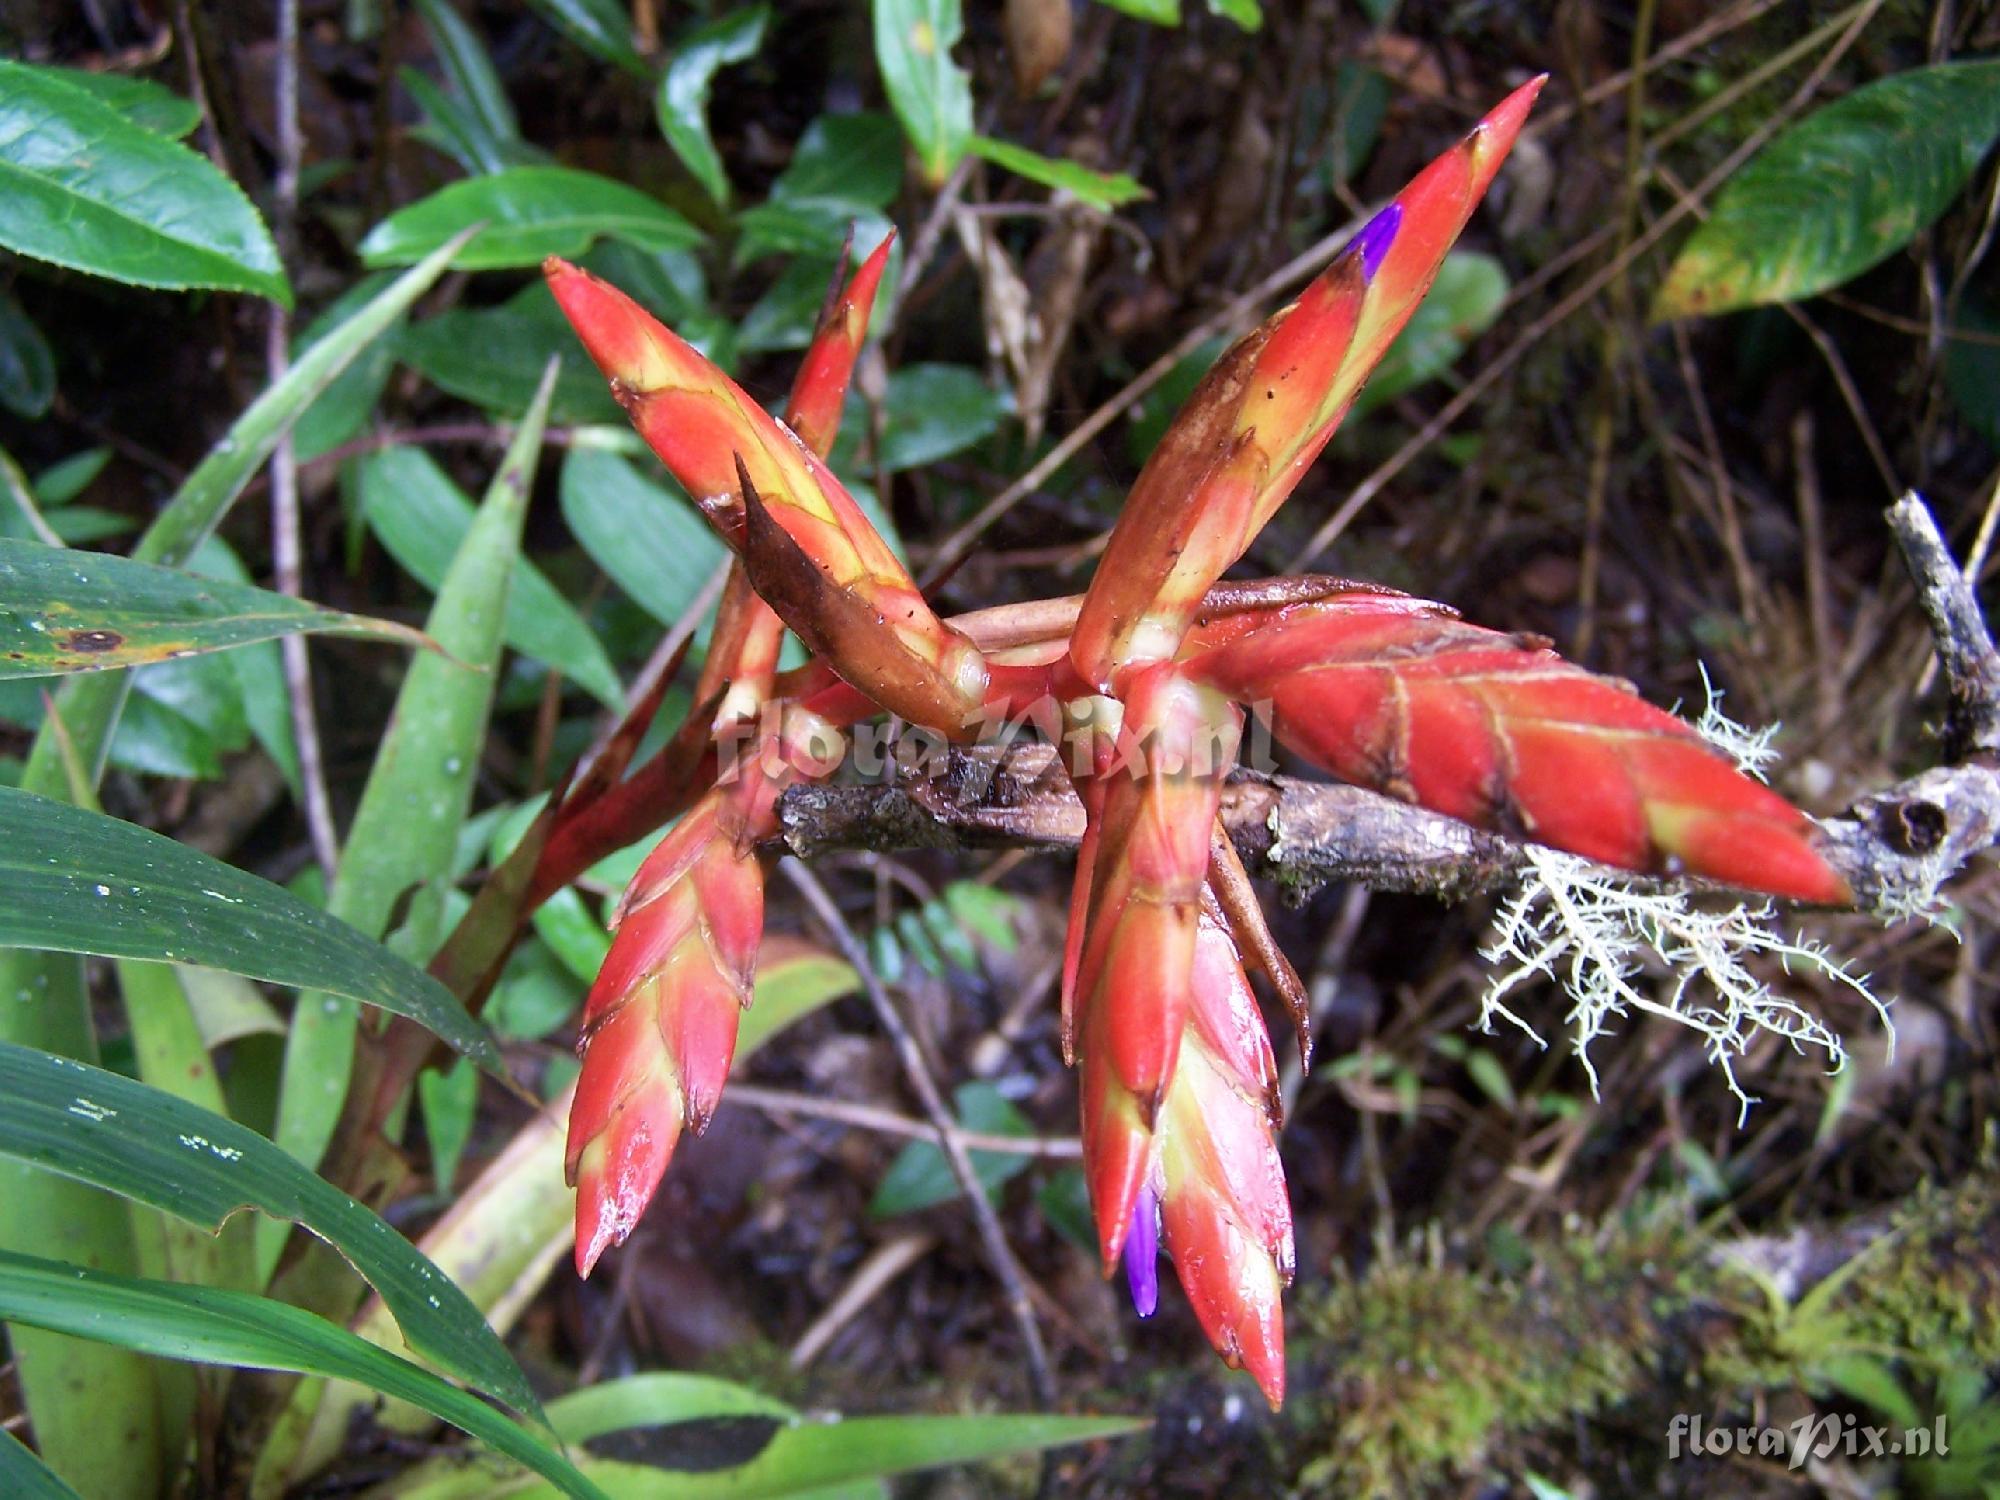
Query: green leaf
1245 13
344 407
934 411
682 102
1462 303
805 1458
207 1325
88 189
27 364
493 357
855 159
792 983
259 670
81 882
1065 1202
1972 369
530 213
1159 12
930 93
450 126
67 611
450 1098
405 831
470 75
146 104
65 479
844 171
649 539
920 1177
1845 188
1866 1379
144 1144
422 518
25 1476
601 27
1104 189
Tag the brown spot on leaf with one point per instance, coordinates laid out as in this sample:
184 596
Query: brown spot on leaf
90 642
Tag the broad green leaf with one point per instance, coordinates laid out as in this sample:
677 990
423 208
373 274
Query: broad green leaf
682 102
68 611
146 104
602 28
422 518
1972 369
1846 187
648 538
80 882
1462 303
530 213
493 356
144 1144
89 189
207 1325
1104 189
934 411
804 1459
405 831
844 171
1159 12
1245 13
854 159
27 364
26 1477
920 1177
469 74
930 93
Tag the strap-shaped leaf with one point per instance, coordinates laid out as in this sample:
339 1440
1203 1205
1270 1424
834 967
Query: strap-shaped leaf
26 1477
207 1325
89 189
1846 187
81 882
119 1134
67 611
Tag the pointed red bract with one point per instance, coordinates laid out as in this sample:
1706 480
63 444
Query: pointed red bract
1256 423
1500 732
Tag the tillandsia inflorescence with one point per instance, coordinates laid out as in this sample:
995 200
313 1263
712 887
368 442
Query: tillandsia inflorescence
1150 670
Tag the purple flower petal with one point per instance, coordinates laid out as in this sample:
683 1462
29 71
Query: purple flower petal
1375 238
1142 1253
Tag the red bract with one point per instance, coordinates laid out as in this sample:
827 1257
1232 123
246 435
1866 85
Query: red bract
1177 1080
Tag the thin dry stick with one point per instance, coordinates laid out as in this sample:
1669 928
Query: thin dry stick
999 1254
1819 600
1374 483
1748 593
286 551
881 1266
888 1122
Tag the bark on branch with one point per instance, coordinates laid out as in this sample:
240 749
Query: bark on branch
1894 846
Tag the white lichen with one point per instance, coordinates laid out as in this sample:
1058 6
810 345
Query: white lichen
1617 948
1751 749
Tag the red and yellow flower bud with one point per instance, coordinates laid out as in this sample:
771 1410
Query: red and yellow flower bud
1500 732
659 1024
810 550
1212 1190
1263 414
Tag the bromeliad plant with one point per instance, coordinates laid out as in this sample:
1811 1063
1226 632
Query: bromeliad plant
1147 676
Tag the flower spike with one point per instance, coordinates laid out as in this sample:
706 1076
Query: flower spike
1500 732
1265 411
720 444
